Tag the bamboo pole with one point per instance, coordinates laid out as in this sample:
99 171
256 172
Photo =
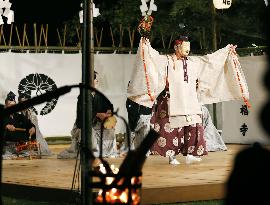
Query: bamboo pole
40 35
24 33
10 34
59 37
131 37
214 28
35 34
111 31
170 41
121 33
18 36
26 39
163 41
98 39
2 35
46 34
79 35
64 37
43 34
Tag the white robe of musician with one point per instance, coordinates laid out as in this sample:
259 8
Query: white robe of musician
216 73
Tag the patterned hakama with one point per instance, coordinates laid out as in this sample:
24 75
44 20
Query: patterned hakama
173 141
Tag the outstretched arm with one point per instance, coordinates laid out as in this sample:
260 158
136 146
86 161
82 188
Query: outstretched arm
148 77
221 77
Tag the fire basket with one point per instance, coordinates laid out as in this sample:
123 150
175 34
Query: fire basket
123 185
125 191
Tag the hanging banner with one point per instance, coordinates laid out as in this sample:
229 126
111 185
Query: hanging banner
222 4
240 123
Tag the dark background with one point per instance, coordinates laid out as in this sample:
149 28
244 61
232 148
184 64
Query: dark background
44 11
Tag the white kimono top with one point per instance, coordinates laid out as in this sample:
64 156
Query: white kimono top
220 78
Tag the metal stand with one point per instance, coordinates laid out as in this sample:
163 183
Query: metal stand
1 149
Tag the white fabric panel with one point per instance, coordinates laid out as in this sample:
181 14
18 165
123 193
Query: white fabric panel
114 73
64 69
254 68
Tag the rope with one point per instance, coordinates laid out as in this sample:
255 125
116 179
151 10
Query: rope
146 75
237 67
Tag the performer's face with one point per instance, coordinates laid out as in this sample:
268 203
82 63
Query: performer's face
95 83
10 103
183 49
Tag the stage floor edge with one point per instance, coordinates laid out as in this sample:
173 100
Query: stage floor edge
50 179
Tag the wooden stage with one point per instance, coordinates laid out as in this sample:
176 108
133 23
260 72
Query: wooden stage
162 183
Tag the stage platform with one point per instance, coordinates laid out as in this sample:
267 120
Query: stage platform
50 178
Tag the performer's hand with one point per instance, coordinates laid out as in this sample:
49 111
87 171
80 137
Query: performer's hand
109 113
10 128
231 47
32 131
101 116
145 25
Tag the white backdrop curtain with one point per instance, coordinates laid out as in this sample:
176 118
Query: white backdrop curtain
254 68
114 73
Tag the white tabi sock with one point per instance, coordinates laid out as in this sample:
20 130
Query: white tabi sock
190 159
173 161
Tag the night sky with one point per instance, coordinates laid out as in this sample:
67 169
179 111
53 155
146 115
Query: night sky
44 11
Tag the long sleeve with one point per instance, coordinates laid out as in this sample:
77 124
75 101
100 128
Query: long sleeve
44 148
148 77
221 78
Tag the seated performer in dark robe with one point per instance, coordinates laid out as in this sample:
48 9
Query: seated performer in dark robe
18 128
30 114
101 109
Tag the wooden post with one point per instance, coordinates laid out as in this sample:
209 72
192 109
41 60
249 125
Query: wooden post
217 108
214 27
86 102
1 149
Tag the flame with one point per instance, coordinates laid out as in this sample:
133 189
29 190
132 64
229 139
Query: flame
115 195
124 197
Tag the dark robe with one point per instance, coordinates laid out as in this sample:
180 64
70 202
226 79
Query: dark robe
134 111
99 105
18 121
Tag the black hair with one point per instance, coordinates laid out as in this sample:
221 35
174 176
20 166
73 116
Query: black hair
10 97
